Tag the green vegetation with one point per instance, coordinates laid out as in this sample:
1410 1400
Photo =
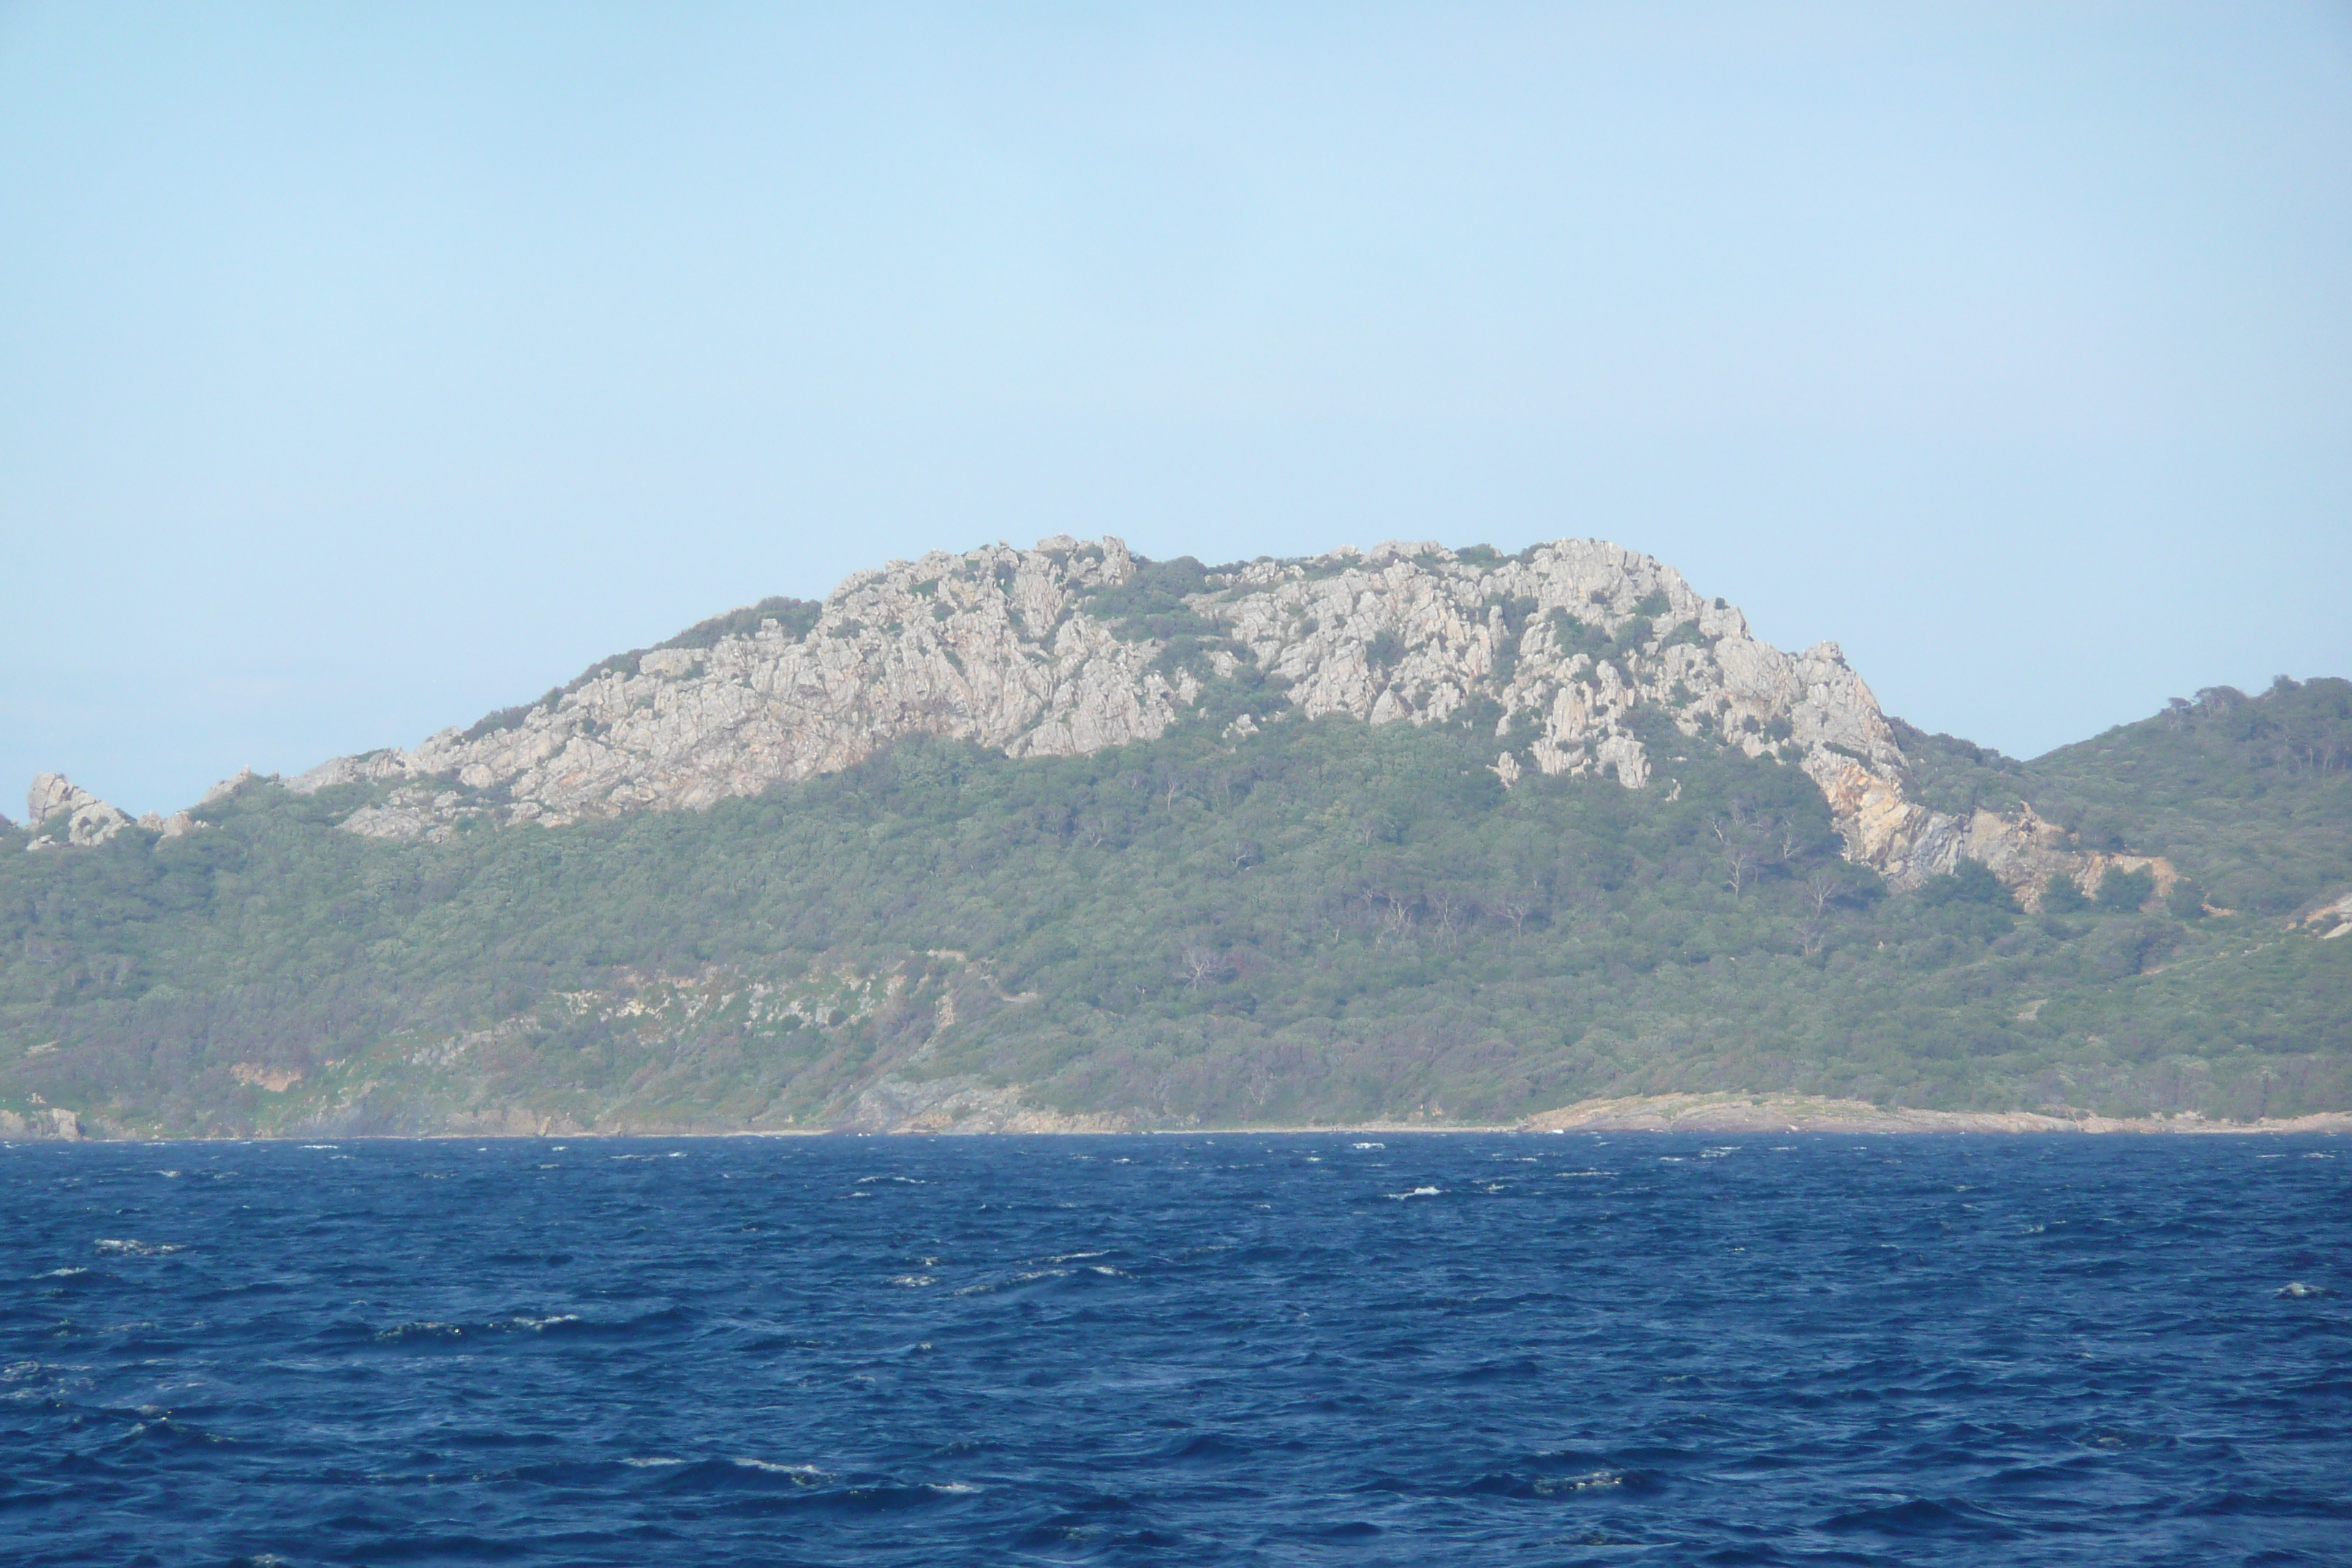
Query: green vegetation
1959 777
1324 922
2250 795
2062 896
797 617
1150 607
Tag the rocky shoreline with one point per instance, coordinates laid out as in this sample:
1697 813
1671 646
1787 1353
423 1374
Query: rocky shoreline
1707 1114
1810 1113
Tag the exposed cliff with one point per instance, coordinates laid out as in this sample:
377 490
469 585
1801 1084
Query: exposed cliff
1073 647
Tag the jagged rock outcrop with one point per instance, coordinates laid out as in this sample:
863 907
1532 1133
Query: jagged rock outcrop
991 646
227 787
1049 652
46 1123
83 820
60 812
2330 920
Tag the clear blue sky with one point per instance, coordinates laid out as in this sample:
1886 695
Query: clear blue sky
363 368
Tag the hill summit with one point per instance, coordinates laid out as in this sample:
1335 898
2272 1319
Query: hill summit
1076 646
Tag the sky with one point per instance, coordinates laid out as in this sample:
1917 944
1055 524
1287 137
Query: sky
364 368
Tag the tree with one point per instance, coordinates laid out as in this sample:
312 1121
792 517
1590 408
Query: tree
1738 841
1450 913
2061 895
1198 964
1821 888
1515 906
2124 891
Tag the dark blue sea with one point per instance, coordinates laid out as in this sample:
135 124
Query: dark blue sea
1326 1348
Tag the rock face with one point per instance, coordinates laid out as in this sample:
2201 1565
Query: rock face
83 818
2331 919
61 813
992 646
1077 646
49 1122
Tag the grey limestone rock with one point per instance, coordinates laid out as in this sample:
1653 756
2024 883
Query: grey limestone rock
87 819
227 787
82 820
1002 647
48 1123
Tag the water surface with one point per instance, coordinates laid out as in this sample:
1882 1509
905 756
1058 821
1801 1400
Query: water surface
1208 1350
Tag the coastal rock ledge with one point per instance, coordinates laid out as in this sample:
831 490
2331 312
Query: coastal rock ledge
1760 1113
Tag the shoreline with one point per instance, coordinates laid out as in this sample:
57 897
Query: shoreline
1696 1114
1813 1113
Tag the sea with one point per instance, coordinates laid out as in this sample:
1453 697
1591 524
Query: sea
1325 1348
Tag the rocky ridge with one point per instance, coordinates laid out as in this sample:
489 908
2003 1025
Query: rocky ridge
1077 646
61 813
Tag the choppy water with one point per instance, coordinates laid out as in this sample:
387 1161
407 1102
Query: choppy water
1247 1350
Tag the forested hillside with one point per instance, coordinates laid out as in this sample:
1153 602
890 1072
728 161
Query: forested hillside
1324 921
2254 793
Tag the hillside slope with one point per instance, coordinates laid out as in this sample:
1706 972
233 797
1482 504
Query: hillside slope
2255 793
1328 921
1566 656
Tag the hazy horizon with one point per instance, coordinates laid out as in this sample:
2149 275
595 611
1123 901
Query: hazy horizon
363 372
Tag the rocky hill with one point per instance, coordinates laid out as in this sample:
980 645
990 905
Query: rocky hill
1062 838
1077 645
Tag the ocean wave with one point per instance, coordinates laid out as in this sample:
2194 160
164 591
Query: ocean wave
1919 1516
1027 1277
426 1329
1841 1361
